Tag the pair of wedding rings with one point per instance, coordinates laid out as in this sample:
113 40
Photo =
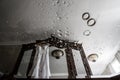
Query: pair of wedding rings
90 21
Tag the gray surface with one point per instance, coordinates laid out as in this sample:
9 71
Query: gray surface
24 21
8 57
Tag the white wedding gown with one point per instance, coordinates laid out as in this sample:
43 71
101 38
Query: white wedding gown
40 68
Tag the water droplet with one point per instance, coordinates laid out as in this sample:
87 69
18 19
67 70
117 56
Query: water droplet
59 35
59 18
66 32
53 34
67 4
64 2
59 31
86 33
66 35
58 1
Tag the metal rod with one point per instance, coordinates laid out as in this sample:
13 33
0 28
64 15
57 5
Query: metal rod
31 61
70 63
85 62
19 59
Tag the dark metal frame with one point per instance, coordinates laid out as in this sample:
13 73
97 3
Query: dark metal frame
53 41
70 63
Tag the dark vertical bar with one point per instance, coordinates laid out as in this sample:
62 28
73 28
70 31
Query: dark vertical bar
85 62
19 59
31 61
70 63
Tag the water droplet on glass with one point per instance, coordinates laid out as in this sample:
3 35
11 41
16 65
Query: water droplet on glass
64 2
59 31
86 33
59 18
60 35
67 4
66 32
58 1
66 35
